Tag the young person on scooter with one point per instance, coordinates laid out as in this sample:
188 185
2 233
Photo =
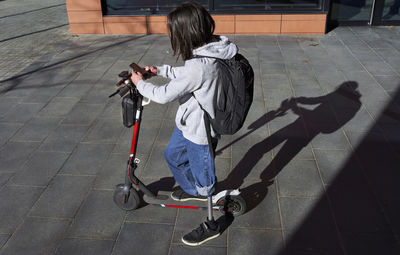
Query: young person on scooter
195 86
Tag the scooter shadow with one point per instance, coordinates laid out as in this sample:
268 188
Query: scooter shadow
164 184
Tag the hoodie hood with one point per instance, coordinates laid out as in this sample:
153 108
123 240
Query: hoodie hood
221 49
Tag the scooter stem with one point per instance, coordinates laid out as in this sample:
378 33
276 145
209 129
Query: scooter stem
209 209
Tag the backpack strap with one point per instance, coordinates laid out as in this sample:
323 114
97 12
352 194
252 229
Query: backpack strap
206 117
207 126
183 99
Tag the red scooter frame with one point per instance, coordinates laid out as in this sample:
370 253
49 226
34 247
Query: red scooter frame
126 195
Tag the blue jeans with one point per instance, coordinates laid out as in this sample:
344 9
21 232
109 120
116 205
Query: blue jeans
191 164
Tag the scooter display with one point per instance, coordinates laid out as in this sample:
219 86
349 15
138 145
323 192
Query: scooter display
126 194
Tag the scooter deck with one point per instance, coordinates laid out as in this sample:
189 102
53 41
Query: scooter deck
164 198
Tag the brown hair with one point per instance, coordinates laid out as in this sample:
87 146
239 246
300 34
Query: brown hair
190 26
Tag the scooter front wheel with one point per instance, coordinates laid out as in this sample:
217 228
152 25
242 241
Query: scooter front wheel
126 200
235 205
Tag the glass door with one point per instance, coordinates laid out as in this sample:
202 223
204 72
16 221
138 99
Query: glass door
386 12
364 12
344 12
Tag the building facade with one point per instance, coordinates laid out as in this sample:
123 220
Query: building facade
231 16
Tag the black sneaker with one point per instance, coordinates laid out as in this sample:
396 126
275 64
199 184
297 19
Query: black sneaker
180 195
207 231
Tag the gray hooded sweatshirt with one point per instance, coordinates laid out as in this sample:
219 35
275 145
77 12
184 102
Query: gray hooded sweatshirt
197 75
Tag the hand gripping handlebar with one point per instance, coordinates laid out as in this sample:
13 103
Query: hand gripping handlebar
125 84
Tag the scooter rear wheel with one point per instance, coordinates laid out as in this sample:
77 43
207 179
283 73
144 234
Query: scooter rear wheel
235 205
125 201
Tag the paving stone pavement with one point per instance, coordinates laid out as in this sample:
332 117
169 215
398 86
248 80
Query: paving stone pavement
320 175
28 30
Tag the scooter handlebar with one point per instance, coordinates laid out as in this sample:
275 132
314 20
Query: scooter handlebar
125 84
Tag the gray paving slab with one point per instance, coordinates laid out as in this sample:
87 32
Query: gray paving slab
40 168
87 159
104 131
45 94
98 94
166 130
384 112
362 121
391 56
350 198
7 104
136 236
258 91
262 207
63 197
330 163
224 148
388 82
80 85
157 167
14 154
103 63
13 88
59 106
83 114
180 250
36 236
306 234
308 91
272 68
295 149
249 163
274 97
64 138
114 169
7 130
37 129
19 32
4 177
259 241
377 67
113 110
85 247
223 167
22 112
311 84
98 217
334 140
3 239
300 178
16 201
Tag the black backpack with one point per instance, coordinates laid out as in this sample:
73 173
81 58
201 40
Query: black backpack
236 94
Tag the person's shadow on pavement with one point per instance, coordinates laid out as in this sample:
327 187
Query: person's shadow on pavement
345 103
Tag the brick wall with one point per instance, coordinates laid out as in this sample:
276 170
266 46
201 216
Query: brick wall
85 17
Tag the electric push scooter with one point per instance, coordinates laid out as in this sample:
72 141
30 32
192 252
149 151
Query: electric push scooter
126 194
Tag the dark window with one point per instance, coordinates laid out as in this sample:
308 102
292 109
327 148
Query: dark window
391 10
372 12
266 5
351 10
142 7
149 7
